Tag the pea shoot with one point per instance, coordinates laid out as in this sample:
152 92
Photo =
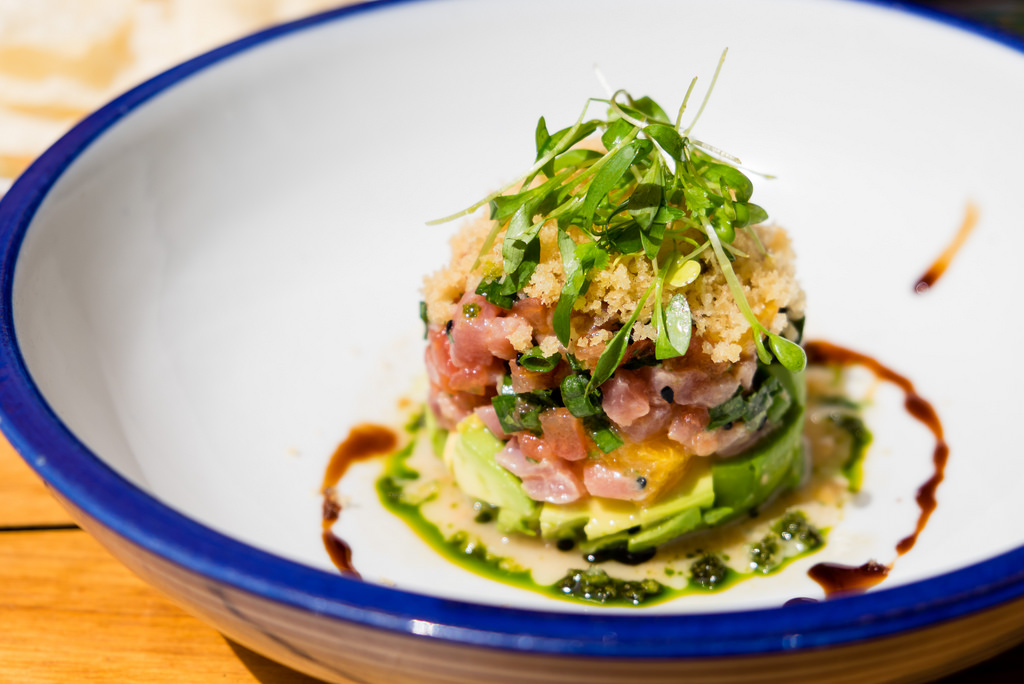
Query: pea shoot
654 193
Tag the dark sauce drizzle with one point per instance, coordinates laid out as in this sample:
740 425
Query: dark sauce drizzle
364 441
842 579
368 440
940 265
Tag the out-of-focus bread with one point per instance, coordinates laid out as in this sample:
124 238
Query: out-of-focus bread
61 59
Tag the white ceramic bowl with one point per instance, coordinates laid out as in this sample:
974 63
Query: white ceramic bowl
210 280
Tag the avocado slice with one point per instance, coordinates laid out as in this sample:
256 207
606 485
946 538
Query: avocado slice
710 493
598 517
469 454
668 529
601 518
563 521
694 490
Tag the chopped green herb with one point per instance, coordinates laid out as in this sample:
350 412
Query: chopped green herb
517 412
494 291
764 554
535 361
594 584
603 434
752 408
794 527
576 397
708 571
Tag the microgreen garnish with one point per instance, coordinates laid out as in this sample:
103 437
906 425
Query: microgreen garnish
656 193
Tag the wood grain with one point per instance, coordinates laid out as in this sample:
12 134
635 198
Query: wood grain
71 612
24 500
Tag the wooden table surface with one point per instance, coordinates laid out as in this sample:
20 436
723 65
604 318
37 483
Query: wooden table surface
69 612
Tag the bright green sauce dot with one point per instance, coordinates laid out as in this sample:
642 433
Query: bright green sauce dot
708 572
594 584
794 527
763 554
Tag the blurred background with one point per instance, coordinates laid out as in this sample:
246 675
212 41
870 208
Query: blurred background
60 59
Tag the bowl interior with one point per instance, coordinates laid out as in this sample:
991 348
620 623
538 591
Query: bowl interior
226 280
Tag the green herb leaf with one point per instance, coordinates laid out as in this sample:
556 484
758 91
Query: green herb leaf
674 335
518 412
541 136
521 231
577 262
752 409
536 362
574 276
696 198
581 402
611 357
615 351
602 433
643 206
669 139
606 180
577 158
520 278
728 179
667 214
790 354
615 133
492 290
626 202
650 109
561 142
624 239
723 226
755 214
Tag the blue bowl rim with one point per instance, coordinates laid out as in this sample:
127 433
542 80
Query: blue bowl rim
106 498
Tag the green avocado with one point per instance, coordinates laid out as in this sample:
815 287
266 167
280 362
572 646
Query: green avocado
713 492
596 516
600 518
745 482
469 454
